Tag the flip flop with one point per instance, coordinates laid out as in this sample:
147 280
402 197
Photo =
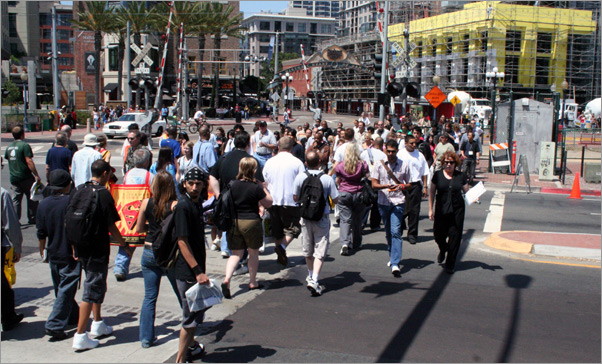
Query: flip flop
259 286
226 291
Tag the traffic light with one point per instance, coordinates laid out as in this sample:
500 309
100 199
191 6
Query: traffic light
149 84
133 84
395 89
310 94
378 66
384 99
413 90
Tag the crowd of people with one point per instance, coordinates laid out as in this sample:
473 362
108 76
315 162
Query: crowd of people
367 175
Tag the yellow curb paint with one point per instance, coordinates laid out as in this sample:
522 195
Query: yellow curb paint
561 263
496 241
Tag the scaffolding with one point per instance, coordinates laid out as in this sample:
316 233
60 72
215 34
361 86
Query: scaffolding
535 46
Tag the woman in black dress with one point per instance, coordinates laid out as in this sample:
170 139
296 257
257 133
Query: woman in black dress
448 184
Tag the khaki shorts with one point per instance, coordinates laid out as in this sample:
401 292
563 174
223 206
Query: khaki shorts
316 237
286 220
246 234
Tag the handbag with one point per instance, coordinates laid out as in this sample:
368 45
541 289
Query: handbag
202 296
368 195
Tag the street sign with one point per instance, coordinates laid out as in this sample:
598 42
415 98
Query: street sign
411 47
435 97
397 47
411 63
397 61
401 74
275 97
455 100
142 70
142 54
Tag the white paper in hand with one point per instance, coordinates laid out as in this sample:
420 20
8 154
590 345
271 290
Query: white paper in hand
474 193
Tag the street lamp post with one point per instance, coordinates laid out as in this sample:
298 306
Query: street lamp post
286 78
24 78
493 77
559 138
436 80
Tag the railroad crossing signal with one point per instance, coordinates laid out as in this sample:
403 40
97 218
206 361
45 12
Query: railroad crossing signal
142 54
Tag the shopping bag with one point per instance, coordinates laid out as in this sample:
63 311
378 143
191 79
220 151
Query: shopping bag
36 193
202 296
9 267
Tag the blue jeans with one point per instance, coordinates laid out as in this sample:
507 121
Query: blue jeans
224 244
152 274
262 158
65 278
392 216
122 261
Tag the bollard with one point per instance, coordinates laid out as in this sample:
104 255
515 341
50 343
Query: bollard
88 125
582 158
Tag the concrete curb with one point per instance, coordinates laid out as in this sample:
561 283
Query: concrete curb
498 241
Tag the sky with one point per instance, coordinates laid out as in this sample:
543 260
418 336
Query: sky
251 7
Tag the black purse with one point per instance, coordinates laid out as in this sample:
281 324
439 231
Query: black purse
368 195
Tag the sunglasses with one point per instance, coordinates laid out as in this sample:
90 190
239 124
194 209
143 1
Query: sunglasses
449 162
390 151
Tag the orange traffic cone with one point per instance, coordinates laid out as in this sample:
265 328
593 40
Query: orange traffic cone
576 192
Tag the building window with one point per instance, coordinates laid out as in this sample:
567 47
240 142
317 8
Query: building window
63 34
544 42
63 19
542 69
264 25
264 38
313 28
419 49
12 25
64 48
448 70
277 26
113 59
46 33
434 47
450 44
466 43
290 27
511 69
65 61
264 49
513 38
46 19
302 27
484 39
326 28
464 70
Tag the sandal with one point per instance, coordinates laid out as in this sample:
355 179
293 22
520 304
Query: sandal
259 286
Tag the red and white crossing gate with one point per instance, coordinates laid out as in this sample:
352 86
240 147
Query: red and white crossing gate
496 152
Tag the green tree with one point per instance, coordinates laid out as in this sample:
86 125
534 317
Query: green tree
14 94
99 18
225 23
267 72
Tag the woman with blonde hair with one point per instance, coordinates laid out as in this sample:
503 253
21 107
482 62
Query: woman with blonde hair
349 179
247 232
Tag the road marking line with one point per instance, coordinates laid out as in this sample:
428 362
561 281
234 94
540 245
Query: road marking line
595 213
560 263
493 223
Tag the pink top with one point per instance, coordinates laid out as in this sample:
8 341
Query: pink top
351 182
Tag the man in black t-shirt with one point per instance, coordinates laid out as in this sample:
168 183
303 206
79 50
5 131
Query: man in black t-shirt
470 152
95 260
226 169
189 268
55 248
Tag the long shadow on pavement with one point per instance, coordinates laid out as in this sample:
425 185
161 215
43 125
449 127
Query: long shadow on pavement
342 280
399 344
238 354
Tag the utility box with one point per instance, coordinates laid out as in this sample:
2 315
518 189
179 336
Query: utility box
546 161
591 172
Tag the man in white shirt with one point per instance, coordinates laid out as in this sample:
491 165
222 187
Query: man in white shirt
198 116
81 163
419 171
264 143
279 174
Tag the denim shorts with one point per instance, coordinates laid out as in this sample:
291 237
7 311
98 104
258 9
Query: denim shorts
95 285
190 320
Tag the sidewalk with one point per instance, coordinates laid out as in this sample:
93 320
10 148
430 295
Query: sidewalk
537 243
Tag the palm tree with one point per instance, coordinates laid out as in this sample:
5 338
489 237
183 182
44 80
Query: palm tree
99 18
225 24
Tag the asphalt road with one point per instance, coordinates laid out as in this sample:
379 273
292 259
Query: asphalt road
494 308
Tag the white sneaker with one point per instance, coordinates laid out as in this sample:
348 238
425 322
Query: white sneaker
99 328
84 342
225 254
215 246
308 279
314 288
262 248
395 271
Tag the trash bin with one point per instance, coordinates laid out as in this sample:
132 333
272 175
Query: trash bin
46 124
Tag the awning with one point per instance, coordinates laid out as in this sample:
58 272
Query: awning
109 87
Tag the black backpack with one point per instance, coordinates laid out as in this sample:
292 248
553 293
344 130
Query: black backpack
312 198
368 195
165 246
83 216
224 211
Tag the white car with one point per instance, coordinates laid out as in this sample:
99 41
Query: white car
120 127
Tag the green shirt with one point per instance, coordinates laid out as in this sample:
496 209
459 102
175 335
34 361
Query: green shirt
15 155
